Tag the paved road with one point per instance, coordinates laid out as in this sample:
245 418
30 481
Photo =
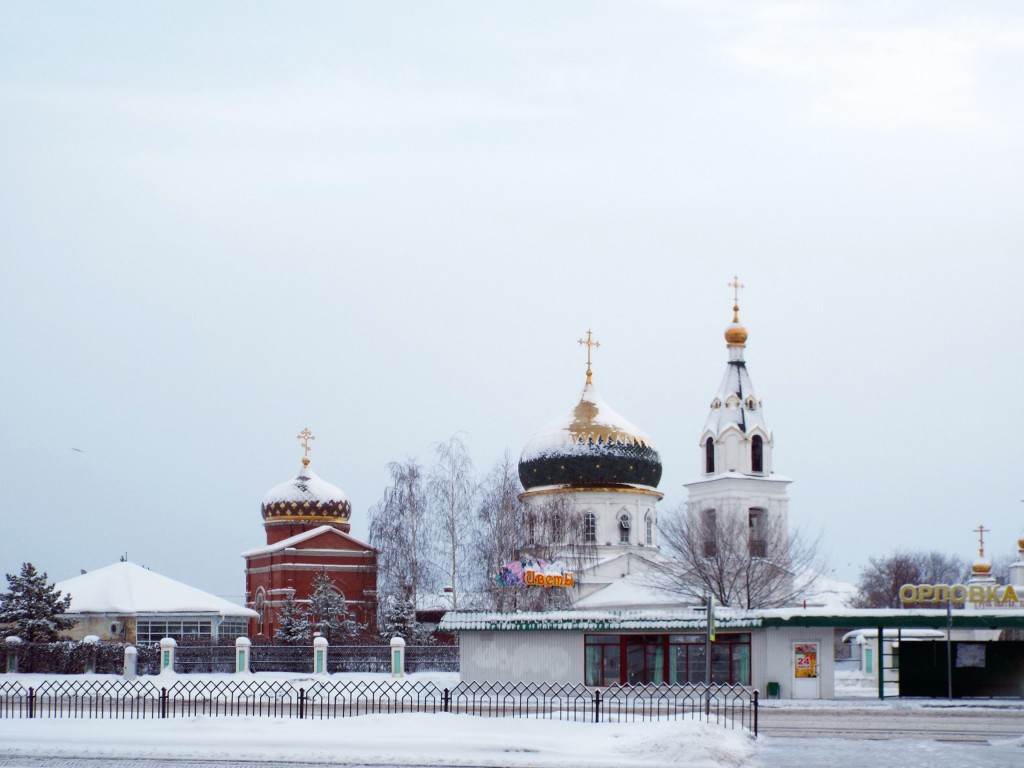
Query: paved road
945 724
890 737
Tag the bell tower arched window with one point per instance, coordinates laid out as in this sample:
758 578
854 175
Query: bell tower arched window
756 454
709 456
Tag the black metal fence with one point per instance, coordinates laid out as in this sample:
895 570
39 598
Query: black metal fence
732 706
69 658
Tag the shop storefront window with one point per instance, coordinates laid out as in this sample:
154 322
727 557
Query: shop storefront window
656 659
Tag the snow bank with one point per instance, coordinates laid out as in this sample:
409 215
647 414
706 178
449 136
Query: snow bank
406 739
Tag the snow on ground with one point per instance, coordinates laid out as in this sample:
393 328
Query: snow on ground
403 739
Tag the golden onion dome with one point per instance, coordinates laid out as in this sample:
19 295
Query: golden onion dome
981 567
736 332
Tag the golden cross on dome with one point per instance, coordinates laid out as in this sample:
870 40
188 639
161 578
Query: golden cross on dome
981 530
305 436
735 285
590 343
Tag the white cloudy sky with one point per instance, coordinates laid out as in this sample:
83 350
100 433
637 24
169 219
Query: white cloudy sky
390 222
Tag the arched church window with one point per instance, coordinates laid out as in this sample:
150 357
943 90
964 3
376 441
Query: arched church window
709 456
751 404
624 528
589 527
757 454
757 540
649 525
709 532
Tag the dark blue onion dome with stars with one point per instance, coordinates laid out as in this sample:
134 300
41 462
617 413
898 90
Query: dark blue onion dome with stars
306 498
590 447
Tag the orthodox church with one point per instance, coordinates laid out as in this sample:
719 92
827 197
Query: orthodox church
596 467
306 520
605 472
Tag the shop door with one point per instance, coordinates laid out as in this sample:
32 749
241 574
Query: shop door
805 671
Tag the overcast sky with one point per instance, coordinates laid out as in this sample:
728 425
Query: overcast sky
390 222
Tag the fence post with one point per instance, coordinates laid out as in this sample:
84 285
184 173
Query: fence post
163 703
131 662
167 646
755 713
302 703
89 641
243 647
320 655
397 657
13 643
446 700
597 706
31 702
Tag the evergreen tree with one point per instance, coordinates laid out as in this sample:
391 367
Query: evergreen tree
294 623
398 617
328 612
32 607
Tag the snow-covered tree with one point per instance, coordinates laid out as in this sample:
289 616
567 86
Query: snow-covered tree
32 607
716 557
328 611
452 487
398 617
500 530
400 529
293 623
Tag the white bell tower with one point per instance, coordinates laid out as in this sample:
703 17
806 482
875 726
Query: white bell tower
738 493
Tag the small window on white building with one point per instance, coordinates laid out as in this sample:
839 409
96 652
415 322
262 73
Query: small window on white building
624 528
649 524
590 528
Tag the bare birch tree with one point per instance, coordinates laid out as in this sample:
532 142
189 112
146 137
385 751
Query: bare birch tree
452 487
720 559
499 533
400 529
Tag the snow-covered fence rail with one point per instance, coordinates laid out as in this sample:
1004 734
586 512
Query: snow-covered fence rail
731 706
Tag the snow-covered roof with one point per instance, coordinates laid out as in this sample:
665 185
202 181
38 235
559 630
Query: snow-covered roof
734 475
591 421
736 404
859 635
129 589
299 538
306 486
593 620
630 592
694 619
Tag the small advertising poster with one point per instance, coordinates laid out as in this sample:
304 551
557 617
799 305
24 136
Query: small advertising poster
806 660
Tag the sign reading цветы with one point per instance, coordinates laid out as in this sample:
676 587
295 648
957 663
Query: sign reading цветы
989 595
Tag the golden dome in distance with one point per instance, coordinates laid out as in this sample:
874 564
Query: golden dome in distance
736 332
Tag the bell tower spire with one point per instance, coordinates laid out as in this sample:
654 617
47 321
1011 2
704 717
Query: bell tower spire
737 490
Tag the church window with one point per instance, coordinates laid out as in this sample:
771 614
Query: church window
751 404
624 528
757 454
590 528
709 456
756 536
649 523
709 532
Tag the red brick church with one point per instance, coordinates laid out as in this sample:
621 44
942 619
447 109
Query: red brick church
307 525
